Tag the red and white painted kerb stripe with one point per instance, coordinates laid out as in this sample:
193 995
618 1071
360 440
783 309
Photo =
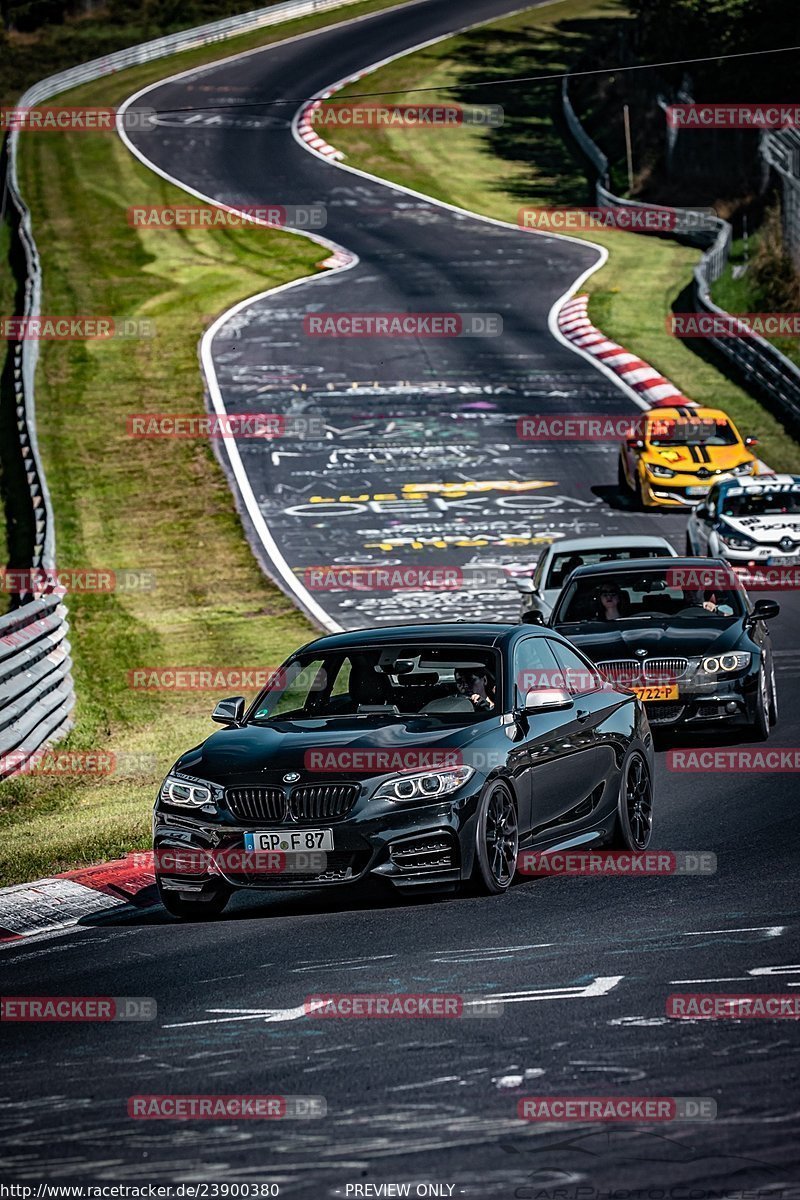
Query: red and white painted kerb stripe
308 134
339 258
305 127
51 905
654 388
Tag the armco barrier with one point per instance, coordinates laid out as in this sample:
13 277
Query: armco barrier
764 370
36 690
36 694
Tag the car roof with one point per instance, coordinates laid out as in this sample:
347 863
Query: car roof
610 543
485 633
647 564
685 411
759 483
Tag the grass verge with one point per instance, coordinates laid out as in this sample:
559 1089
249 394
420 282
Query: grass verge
157 506
530 160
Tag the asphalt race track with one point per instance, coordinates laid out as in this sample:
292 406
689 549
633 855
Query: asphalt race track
584 966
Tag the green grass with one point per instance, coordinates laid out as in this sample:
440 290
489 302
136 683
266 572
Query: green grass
160 506
745 294
531 161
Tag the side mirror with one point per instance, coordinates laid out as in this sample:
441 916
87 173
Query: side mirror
634 443
765 610
546 700
703 511
523 583
750 440
532 617
230 711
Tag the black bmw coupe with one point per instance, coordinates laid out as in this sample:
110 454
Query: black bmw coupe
682 633
427 755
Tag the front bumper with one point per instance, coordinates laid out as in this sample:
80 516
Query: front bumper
759 556
731 701
678 492
410 846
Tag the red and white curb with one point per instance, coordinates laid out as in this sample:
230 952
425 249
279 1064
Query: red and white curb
305 124
51 905
651 387
307 133
574 324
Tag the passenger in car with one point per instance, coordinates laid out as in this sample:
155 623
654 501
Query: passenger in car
477 685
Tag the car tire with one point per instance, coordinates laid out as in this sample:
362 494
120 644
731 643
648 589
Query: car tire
497 842
759 726
638 499
622 482
633 826
191 908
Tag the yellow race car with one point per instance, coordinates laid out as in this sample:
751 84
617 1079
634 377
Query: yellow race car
677 453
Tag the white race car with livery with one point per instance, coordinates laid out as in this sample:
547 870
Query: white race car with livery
751 522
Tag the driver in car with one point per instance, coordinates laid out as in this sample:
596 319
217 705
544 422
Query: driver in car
710 601
477 685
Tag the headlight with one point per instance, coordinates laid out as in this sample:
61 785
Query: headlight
736 660
425 786
736 541
661 472
187 793
743 469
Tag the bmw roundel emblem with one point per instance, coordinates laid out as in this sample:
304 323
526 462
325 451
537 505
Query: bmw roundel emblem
291 777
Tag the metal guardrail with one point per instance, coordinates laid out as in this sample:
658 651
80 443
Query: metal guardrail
36 692
780 149
36 689
763 368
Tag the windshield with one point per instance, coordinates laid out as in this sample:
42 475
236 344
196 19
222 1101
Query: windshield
669 431
641 596
761 504
452 684
563 565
